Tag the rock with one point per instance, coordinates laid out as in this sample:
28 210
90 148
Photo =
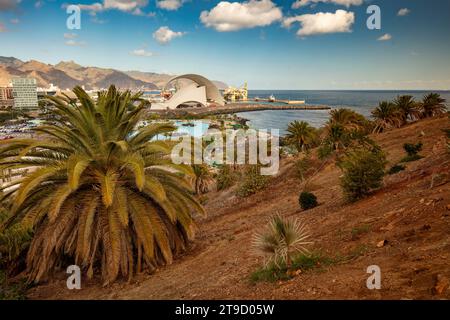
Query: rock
422 200
448 207
382 243
441 285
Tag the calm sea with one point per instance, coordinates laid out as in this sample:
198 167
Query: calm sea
360 101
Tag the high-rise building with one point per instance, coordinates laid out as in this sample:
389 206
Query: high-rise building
6 97
25 93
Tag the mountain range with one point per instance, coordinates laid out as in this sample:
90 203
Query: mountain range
68 74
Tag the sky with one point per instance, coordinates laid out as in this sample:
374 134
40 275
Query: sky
271 44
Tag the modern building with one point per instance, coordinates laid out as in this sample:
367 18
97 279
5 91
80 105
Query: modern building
200 91
25 93
6 97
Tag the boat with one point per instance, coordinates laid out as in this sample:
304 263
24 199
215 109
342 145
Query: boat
272 98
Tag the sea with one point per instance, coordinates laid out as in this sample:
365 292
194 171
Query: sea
360 101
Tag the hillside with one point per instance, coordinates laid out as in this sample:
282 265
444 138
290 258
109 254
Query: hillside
68 74
410 213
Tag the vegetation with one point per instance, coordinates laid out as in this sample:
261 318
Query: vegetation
203 178
281 239
301 135
301 262
396 169
100 195
386 116
408 108
301 166
433 105
253 181
363 172
412 151
226 177
307 200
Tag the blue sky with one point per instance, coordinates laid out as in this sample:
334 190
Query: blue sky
327 46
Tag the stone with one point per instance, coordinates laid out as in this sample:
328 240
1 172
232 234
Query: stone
382 243
441 285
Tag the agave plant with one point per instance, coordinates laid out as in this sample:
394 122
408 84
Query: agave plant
281 240
408 108
98 193
432 105
386 115
300 134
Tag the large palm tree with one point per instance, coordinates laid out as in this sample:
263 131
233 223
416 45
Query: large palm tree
433 104
408 108
98 193
348 119
300 134
386 115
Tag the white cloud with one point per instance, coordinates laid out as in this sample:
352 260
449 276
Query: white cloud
403 12
164 35
232 16
129 6
301 3
70 35
170 4
39 4
385 37
141 53
322 22
74 43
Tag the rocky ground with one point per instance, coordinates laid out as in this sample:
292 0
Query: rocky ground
404 228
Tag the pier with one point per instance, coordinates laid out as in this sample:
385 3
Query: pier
239 107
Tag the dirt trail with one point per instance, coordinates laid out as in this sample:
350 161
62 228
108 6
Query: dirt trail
406 212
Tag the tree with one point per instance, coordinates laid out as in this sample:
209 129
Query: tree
98 193
300 134
348 119
433 105
203 178
407 107
363 172
386 115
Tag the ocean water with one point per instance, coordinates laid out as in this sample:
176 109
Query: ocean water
360 101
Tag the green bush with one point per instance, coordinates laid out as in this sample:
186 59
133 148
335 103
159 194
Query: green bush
253 181
302 261
396 169
307 200
225 178
363 172
301 166
412 151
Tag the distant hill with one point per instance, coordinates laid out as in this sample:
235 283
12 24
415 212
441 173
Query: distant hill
68 74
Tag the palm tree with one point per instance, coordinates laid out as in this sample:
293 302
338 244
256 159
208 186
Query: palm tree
98 193
433 105
202 178
408 108
349 119
300 134
386 116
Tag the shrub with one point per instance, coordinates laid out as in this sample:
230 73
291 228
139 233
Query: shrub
363 172
412 151
307 200
253 181
396 169
300 262
281 239
225 178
